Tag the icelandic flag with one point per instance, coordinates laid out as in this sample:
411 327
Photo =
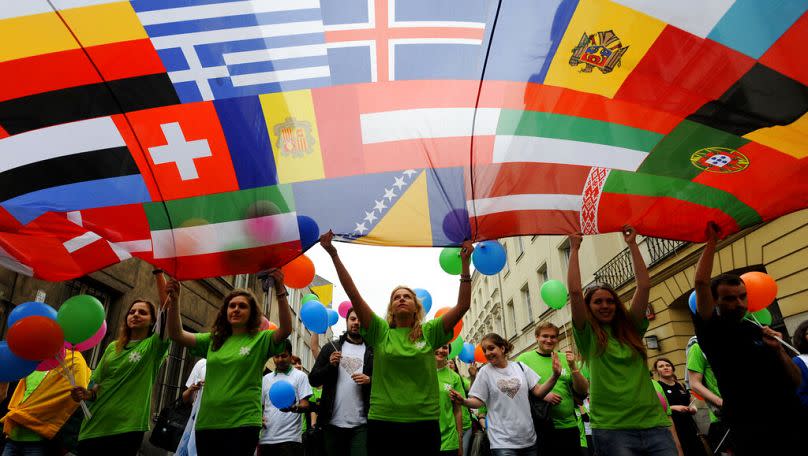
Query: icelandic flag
224 49
386 40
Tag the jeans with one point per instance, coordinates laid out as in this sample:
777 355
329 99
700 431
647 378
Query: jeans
346 441
529 451
561 441
656 441
25 448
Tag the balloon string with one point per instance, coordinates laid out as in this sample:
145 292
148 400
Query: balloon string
72 380
786 344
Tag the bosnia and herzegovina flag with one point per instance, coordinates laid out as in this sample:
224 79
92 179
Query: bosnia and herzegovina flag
202 135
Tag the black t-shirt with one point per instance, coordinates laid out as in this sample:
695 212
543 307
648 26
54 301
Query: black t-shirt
754 383
676 393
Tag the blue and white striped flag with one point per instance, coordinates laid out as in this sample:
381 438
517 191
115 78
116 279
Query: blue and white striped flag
224 49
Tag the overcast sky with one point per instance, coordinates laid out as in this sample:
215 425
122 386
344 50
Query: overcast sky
377 270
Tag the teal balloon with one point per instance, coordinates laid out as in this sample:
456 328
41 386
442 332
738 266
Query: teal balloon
763 316
80 318
456 347
554 293
450 260
309 297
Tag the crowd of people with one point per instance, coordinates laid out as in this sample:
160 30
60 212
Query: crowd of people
387 385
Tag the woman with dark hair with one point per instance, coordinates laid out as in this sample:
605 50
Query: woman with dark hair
120 395
404 409
626 416
503 387
801 344
681 409
230 414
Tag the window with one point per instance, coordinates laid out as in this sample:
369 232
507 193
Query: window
506 269
564 250
520 247
526 302
542 277
172 376
510 317
241 281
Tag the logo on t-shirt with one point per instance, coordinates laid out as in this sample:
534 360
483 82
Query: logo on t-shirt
351 364
509 386
244 351
135 357
447 387
420 344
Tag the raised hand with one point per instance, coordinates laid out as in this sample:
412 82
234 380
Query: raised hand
277 278
575 241
629 234
571 359
556 365
465 251
325 242
713 232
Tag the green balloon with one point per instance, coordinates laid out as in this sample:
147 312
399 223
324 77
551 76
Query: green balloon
763 316
80 318
450 260
309 297
456 347
554 294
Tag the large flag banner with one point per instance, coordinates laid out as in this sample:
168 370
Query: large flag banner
214 137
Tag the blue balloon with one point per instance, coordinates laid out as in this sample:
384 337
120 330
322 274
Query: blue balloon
467 353
488 257
12 367
309 231
31 309
333 317
282 394
425 297
691 301
315 317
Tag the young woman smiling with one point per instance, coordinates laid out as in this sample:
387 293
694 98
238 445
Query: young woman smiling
503 387
404 409
122 383
230 415
625 412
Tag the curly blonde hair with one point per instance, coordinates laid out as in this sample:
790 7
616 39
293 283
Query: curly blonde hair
416 332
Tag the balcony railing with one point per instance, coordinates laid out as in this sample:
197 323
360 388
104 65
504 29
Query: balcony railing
618 271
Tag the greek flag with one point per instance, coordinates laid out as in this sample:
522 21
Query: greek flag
224 49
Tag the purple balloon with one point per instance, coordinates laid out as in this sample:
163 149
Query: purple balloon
456 226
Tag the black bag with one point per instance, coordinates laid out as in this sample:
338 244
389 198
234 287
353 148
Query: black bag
313 438
170 425
539 411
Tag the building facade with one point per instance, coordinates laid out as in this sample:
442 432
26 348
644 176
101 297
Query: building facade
510 303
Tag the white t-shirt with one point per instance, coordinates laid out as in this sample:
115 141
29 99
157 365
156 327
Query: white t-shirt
283 426
187 445
505 394
348 407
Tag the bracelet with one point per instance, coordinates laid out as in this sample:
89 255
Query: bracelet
282 295
465 279
157 271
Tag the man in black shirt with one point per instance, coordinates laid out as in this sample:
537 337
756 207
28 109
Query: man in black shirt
755 374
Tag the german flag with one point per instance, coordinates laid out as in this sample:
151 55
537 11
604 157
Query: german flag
77 64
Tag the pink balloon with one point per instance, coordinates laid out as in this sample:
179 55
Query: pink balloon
264 324
343 308
51 363
93 341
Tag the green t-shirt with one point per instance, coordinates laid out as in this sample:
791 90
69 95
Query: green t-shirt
621 394
563 414
125 380
697 362
403 371
233 379
663 400
316 394
22 433
448 379
466 412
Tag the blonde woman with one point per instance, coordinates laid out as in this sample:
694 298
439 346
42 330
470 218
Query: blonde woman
404 408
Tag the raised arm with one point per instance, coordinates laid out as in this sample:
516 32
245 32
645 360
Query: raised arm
639 303
577 305
704 270
174 324
314 343
362 309
541 389
454 314
580 385
284 312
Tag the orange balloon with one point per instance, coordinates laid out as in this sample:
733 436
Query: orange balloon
479 356
761 289
36 338
458 327
299 272
272 326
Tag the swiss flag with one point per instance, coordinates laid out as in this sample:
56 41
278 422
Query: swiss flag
184 148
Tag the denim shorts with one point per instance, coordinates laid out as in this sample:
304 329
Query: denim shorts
634 442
